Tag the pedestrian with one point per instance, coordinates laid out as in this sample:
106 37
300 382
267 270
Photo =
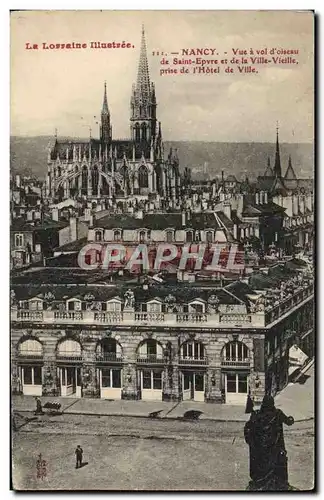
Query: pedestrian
249 404
39 409
78 456
268 457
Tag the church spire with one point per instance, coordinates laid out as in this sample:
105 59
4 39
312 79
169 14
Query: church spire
105 109
143 77
105 128
277 165
290 174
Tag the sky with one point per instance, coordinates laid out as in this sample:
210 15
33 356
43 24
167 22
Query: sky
63 89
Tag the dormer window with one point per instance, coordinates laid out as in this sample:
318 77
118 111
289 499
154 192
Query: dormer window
142 236
98 235
117 235
189 236
19 240
209 236
169 236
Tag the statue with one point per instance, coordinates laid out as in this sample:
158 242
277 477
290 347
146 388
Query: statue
129 299
268 457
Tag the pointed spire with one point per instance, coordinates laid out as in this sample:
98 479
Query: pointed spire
277 165
268 172
105 109
290 174
143 77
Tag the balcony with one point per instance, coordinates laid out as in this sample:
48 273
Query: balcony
258 319
192 361
69 357
108 317
150 359
150 317
236 363
108 357
191 318
30 355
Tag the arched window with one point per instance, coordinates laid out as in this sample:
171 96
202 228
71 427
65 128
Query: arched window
144 132
69 349
95 179
192 350
137 132
31 348
169 236
109 350
84 180
236 352
98 235
143 177
142 236
117 235
150 350
189 236
209 236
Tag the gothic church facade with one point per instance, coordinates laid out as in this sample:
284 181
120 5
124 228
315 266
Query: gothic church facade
111 168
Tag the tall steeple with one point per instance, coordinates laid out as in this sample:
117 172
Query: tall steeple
277 165
105 127
268 172
143 100
290 174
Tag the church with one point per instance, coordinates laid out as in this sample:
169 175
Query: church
107 168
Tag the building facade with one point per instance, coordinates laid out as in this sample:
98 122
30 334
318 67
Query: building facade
159 342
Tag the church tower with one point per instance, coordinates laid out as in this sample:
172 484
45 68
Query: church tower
105 127
143 101
277 165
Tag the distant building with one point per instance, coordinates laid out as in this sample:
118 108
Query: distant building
119 168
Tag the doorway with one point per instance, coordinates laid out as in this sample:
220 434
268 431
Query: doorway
193 386
236 388
70 380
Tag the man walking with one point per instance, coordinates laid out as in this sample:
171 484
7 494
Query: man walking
78 456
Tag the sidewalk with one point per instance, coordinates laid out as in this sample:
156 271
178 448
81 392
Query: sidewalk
296 399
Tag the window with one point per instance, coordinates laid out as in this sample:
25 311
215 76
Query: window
19 240
199 382
231 383
98 235
111 378
192 350
31 347
32 375
154 308
152 380
143 177
169 236
151 348
209 236
113 306
117 235
142 236
36 305
236 351
189 236
242 383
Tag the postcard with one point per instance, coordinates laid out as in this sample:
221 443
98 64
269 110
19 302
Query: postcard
162 250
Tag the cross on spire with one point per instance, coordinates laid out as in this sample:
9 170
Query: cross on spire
277 165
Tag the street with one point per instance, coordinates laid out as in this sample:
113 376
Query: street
125 453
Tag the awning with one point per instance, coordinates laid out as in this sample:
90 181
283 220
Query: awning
297 359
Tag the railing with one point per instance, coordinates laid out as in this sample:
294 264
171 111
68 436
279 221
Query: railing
105 357
149 316
235 362
258 319
29 315
192 361
235 318
73 315
30 354
69 357
108 317
191 317
150 359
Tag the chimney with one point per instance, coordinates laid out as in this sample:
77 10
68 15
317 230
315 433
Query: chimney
183 219
55 214
265 197
235 231
87 214
257 198
91 221
227 210
18 181
73 229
